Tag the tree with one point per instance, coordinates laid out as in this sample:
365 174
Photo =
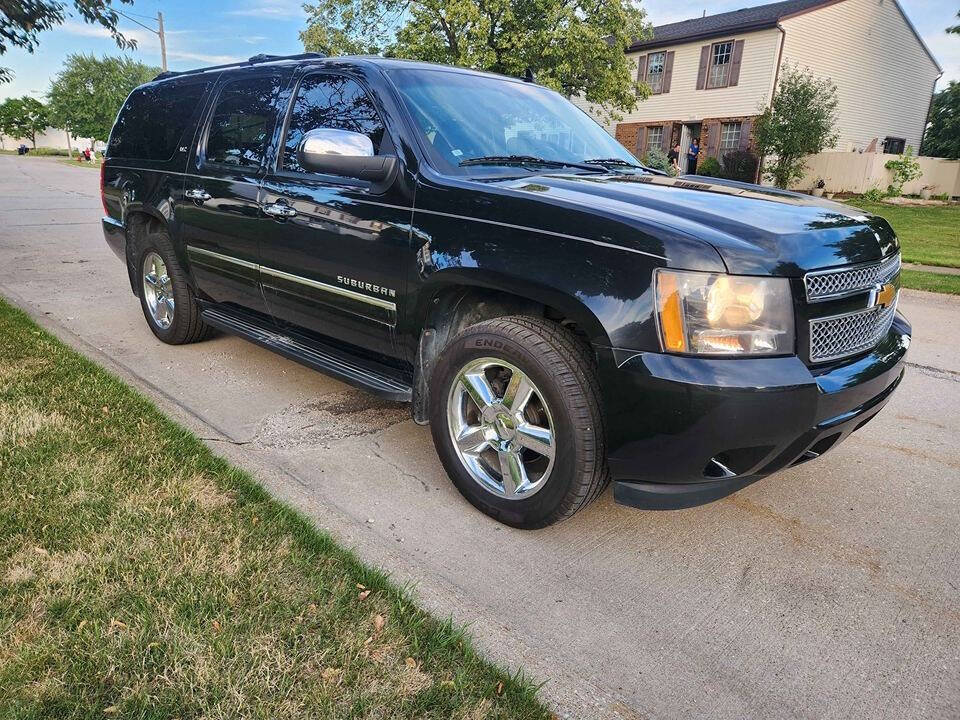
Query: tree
24 117
22 22
87 94
6 118
955 29
573 46
942 138
799 122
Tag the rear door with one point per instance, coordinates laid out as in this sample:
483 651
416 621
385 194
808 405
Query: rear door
335 265
220 210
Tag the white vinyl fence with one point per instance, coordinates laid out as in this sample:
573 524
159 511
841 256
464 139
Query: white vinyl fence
858 172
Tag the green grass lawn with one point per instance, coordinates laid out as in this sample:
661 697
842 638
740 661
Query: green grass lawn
920 280
928 235
73 161
142 576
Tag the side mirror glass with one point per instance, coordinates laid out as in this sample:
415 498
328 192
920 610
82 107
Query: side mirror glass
330 151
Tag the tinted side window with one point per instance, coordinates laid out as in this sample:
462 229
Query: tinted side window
330 101
242 122
153 120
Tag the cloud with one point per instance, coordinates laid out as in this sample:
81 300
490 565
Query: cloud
271 10
254 39
149 42
946 49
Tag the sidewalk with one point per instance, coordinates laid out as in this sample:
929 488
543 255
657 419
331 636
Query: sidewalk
937 269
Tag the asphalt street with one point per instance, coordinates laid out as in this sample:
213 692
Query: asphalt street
831 590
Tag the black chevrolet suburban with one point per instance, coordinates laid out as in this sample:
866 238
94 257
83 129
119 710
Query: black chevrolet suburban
477 246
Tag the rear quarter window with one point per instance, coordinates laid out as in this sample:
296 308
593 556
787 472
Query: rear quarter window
154 118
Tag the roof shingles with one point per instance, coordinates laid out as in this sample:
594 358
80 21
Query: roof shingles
753 18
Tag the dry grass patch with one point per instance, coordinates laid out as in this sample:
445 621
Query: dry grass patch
141 576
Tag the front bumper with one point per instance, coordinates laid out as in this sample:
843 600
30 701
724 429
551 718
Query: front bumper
683 431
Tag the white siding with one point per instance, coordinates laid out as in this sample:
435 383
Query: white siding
884 77
685 102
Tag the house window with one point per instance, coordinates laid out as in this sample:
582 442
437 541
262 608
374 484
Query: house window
729 137
655 63
720 56
654 136
893 146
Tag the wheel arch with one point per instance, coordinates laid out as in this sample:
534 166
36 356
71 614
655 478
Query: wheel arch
139 222
452 300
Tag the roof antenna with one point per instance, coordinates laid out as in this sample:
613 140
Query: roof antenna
528 76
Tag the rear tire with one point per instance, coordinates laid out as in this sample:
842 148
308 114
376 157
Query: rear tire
527 463
168 303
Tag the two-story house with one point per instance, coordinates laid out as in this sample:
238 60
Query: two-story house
711 76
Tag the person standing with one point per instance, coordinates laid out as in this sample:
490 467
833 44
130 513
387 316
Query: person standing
692 154
674 157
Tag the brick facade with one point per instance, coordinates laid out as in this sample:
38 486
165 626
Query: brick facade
633 135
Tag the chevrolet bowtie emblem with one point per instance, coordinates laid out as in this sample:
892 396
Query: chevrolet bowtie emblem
885 295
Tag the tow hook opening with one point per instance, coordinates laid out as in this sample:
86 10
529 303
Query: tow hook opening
731 463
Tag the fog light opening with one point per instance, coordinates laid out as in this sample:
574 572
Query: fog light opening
716 469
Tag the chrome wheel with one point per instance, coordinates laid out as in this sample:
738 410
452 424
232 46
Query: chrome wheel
158 290
501 428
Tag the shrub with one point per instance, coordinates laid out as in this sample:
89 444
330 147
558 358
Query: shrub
874 195
942 196
798 123
905 169
740 165
710 167
657 159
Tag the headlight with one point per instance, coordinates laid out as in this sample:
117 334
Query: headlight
712 314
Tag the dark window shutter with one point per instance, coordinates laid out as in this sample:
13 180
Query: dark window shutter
745 140
713 138
702 73
667 72
667 134
641 140
642 69
735 62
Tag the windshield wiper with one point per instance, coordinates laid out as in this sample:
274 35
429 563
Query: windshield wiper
618 162
524 160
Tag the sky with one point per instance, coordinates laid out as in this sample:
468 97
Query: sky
210 32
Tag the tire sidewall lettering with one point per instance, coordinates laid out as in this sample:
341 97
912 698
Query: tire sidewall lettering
489 343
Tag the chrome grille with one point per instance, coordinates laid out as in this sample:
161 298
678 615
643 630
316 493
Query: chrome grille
842 335
829 284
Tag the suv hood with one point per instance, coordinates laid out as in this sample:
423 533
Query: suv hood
756 230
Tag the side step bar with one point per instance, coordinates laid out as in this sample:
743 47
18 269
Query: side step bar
328 360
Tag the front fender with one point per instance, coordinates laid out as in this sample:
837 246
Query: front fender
607 292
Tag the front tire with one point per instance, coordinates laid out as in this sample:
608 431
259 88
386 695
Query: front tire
516 419
167 301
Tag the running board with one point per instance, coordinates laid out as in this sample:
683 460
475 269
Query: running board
327 360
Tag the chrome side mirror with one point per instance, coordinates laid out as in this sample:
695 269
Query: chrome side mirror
330 151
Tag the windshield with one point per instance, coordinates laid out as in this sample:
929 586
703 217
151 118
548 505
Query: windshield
475 124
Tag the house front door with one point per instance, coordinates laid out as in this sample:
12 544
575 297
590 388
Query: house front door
687 134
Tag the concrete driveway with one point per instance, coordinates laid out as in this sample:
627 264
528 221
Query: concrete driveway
828 591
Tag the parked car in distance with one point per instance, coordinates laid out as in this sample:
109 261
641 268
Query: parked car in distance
476 245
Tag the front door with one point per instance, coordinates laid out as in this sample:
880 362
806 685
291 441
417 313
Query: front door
687 135
334 254
220 210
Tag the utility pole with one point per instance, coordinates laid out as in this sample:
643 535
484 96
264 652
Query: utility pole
163 41
158 32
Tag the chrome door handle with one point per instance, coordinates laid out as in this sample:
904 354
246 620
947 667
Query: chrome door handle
279 210
198 194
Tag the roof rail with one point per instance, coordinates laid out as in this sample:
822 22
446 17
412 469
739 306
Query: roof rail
255 60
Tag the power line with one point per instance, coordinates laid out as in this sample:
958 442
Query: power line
159 32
